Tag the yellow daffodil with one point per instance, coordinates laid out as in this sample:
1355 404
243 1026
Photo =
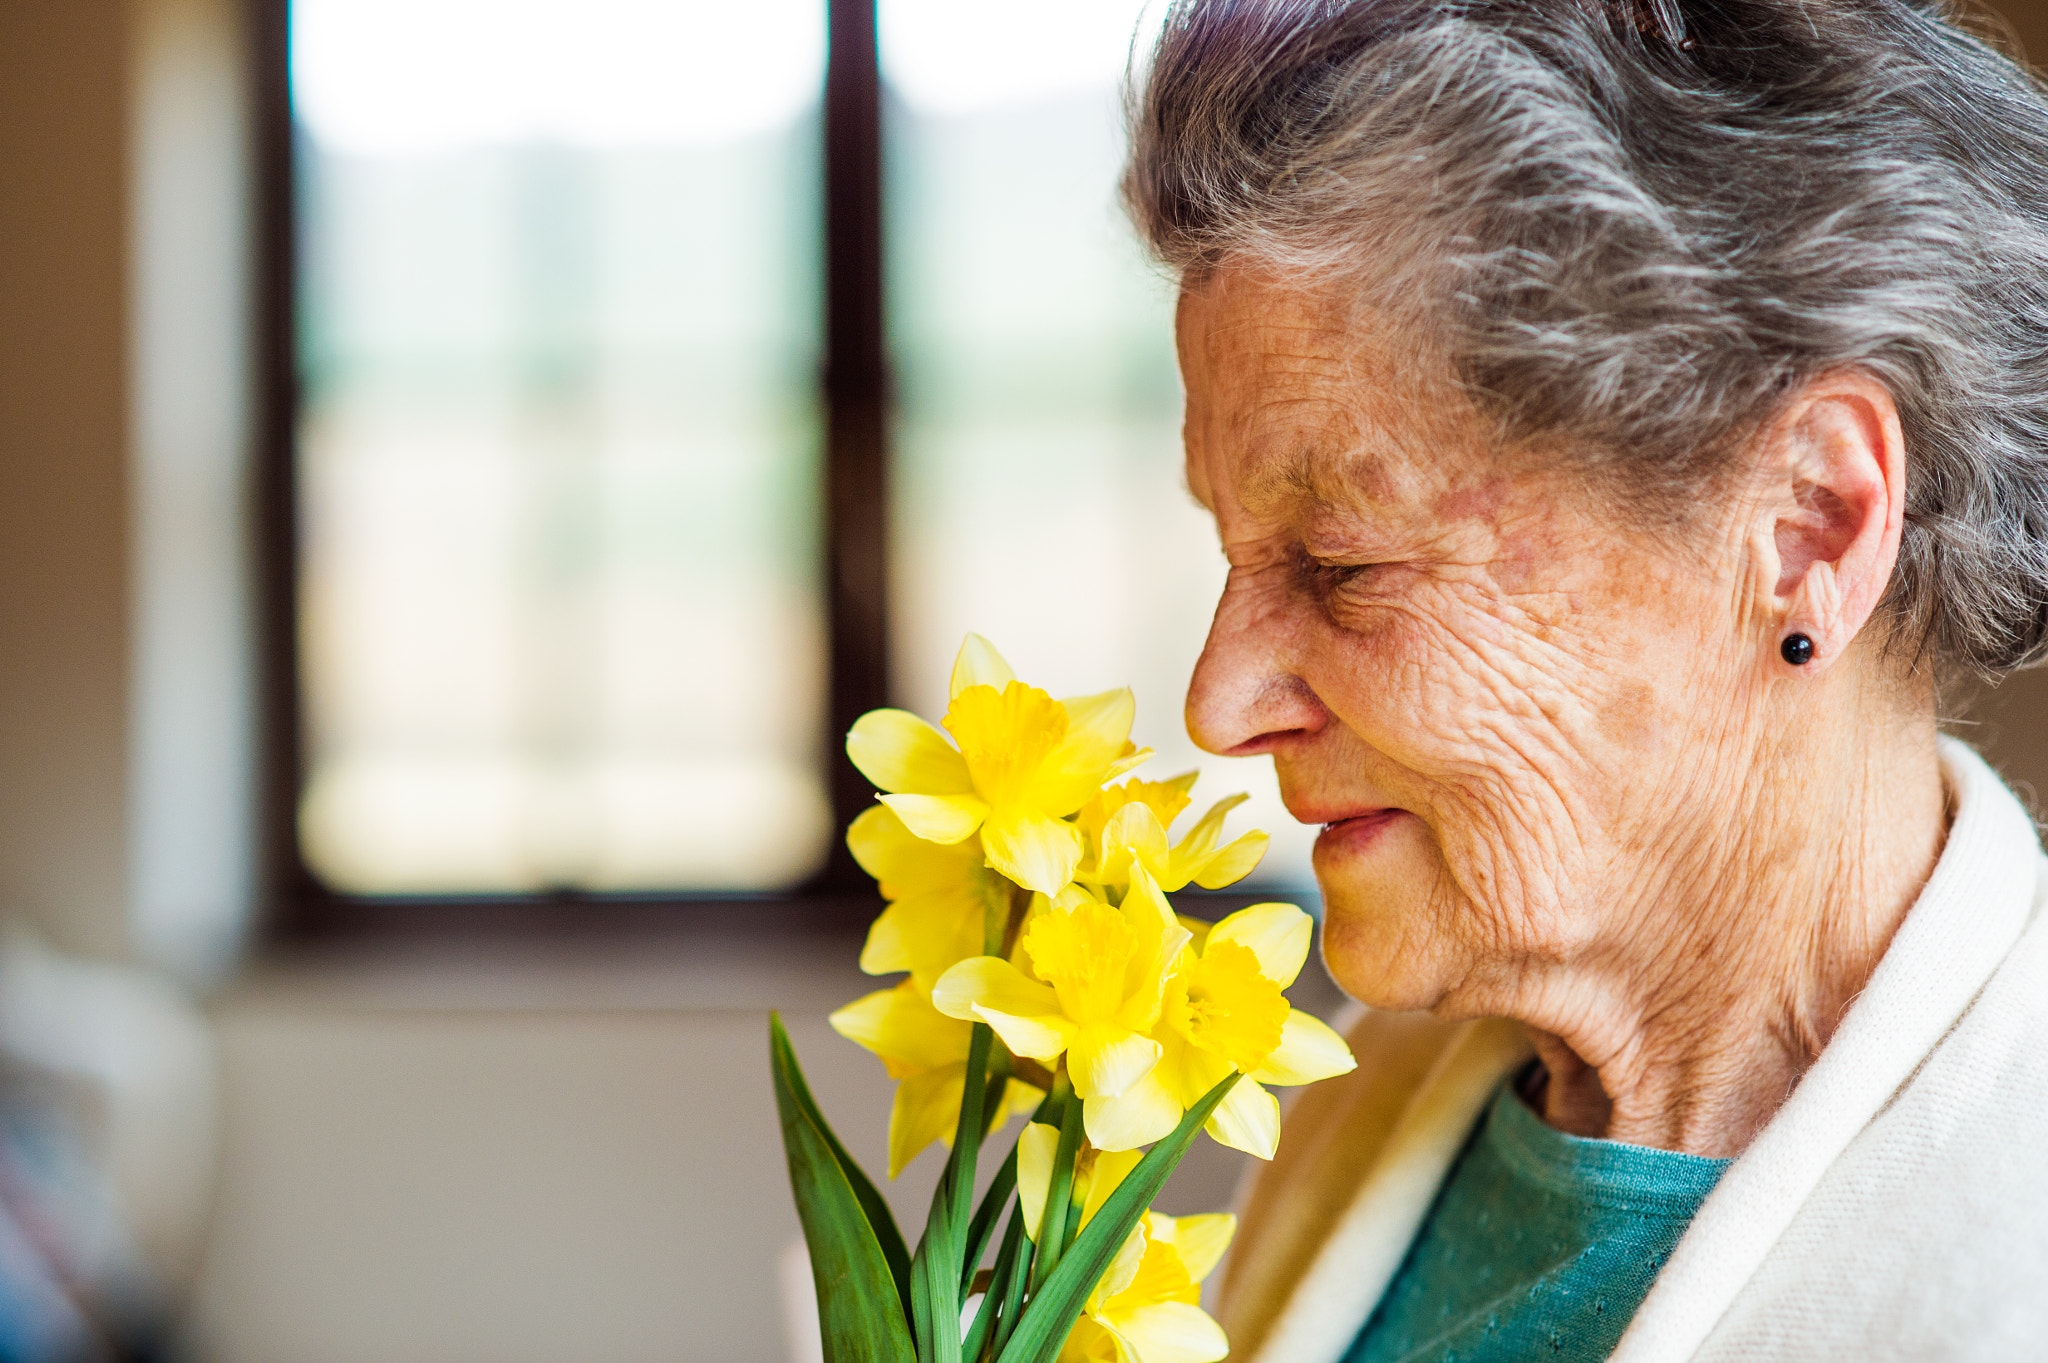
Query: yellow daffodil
926 1053
1166 799
1097 982
1133 829
1147 1307
940 896
1223 1011
1024 763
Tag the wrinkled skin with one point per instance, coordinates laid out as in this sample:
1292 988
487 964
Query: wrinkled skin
1568 777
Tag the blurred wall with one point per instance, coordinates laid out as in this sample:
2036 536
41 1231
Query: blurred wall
64 484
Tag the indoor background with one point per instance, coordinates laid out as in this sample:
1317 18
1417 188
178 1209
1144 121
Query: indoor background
460 463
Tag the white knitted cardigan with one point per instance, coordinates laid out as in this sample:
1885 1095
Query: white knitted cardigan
1895 1208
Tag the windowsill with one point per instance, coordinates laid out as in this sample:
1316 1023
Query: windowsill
706 970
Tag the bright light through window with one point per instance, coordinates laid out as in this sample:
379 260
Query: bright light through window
395 76
947 57
1039 497
557 451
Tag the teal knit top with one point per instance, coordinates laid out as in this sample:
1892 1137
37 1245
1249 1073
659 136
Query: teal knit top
1539 1246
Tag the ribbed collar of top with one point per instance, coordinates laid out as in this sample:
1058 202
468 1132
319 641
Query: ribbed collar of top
1633 1178
1965 921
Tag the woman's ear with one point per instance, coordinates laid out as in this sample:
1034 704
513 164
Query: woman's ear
1835 500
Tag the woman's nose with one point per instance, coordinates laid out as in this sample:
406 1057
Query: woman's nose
1246 695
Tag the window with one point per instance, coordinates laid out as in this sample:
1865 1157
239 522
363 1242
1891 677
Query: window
582 439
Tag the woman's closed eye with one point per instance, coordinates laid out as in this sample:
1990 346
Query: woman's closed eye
1323 577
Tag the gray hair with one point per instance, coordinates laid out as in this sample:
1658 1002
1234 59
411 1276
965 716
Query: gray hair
1635 232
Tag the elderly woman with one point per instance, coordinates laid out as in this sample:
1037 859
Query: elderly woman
1619 422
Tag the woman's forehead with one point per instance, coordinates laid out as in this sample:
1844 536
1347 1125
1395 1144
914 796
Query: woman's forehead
1300 400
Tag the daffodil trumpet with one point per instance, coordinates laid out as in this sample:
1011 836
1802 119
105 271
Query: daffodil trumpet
1042 969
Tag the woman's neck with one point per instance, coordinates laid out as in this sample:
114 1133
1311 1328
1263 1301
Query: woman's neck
1763 938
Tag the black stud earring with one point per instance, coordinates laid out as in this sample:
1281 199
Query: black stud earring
1797 649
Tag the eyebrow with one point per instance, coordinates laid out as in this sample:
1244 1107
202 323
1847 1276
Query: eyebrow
1312 474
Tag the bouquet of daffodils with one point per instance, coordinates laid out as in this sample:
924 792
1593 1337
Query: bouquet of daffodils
1045 972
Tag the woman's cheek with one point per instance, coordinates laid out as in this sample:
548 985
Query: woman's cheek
1411 680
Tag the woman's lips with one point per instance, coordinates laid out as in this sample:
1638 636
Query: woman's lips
1355 830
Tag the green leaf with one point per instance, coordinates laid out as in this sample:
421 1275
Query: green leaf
1056 1305
860 1313
878 1214
935 1270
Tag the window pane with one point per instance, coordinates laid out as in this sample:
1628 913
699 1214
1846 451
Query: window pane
1039 496
557 452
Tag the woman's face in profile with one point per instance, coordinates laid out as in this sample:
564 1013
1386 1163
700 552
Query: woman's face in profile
1496 694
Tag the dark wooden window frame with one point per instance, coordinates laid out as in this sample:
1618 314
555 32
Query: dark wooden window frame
855 393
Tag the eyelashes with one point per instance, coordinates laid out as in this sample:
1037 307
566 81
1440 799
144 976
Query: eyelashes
1324 577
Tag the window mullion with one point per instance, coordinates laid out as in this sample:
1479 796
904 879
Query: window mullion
855 399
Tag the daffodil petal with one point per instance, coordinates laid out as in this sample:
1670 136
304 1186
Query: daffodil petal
1038 852
1170 1332
1309 1050
1101 722
1201 1240
1146 983
902 1026
1189 1072
1127 762
1247 1119
1037 1147
1035 1038
872 836
1090 1342
1018 1098
994 981
927 1108
1112 1167
1130 1257
1278 934
906 864
1071 898
1134 833
1106 1060
900 752
1208 829
939 818
1144 903
1228 865
1143 1113
978 664
1072 774
925 935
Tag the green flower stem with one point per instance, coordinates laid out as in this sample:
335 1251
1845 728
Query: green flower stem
1076 1201
981 1335
935 1268
1003 943
1052 1229
1013 1294
967 1138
